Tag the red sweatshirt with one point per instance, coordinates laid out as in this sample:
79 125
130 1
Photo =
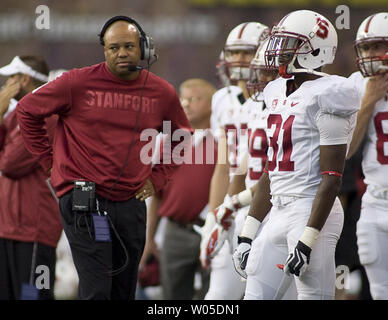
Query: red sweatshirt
187 193
28 211
97 114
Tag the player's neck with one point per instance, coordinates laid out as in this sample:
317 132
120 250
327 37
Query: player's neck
242 85
299 78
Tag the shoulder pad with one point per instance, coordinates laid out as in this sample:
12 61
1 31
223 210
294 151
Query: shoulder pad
339 96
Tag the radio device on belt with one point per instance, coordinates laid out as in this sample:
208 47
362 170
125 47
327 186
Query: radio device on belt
84 196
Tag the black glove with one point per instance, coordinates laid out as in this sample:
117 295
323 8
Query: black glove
298 260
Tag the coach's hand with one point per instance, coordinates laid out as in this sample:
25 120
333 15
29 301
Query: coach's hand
147 190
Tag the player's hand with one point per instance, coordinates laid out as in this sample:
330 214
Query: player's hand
225 212
205 232
241 254
211 244
376 89
298 260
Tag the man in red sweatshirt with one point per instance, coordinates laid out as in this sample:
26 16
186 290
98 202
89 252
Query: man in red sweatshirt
102 111
30 223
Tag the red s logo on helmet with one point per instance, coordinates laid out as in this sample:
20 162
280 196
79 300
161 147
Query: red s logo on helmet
323 30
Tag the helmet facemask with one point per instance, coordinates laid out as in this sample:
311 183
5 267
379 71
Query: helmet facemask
282 51
259 73
238 70
259 76
370 66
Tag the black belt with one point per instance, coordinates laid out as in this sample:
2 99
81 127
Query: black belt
189 225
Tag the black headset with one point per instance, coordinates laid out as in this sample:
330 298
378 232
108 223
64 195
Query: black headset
147 45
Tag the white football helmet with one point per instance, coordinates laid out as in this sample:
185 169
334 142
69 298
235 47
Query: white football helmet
305 36
245 37
372 29
259 73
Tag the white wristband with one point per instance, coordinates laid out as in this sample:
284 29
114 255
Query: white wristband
245 197
309 236
250 228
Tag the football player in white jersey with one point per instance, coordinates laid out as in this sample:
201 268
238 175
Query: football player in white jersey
251 166
253 150
372 127
309 125
228 105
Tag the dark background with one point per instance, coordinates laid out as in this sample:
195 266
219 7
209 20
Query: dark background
189 34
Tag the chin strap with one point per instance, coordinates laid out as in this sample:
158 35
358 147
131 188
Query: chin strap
292 69
283 72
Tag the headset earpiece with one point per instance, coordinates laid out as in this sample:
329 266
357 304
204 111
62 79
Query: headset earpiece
147 46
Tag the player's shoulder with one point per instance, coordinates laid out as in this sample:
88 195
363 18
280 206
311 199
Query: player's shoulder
326 83
274 85
358 80
226 93
356 76
337 95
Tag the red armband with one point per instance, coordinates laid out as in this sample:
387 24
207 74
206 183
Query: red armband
265 170
332 173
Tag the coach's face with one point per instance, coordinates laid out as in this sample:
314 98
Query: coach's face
122 49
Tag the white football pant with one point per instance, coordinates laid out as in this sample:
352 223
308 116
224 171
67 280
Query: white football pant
286 222
372 241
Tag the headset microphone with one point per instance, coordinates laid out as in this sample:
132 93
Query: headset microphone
135 68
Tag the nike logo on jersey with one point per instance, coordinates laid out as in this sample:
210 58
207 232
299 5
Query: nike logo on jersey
294 104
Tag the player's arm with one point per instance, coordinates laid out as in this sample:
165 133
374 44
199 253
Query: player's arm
218 189
376 89
261 202
220 180
334 132
332 162
238 181
260 206
237 196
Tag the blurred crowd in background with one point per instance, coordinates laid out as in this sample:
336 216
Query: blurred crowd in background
189 34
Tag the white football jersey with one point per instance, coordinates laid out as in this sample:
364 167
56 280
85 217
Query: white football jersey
292 132
256 117
228 107
375 152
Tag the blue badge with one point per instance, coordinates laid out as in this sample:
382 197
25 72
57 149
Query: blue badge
29 292
101 228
